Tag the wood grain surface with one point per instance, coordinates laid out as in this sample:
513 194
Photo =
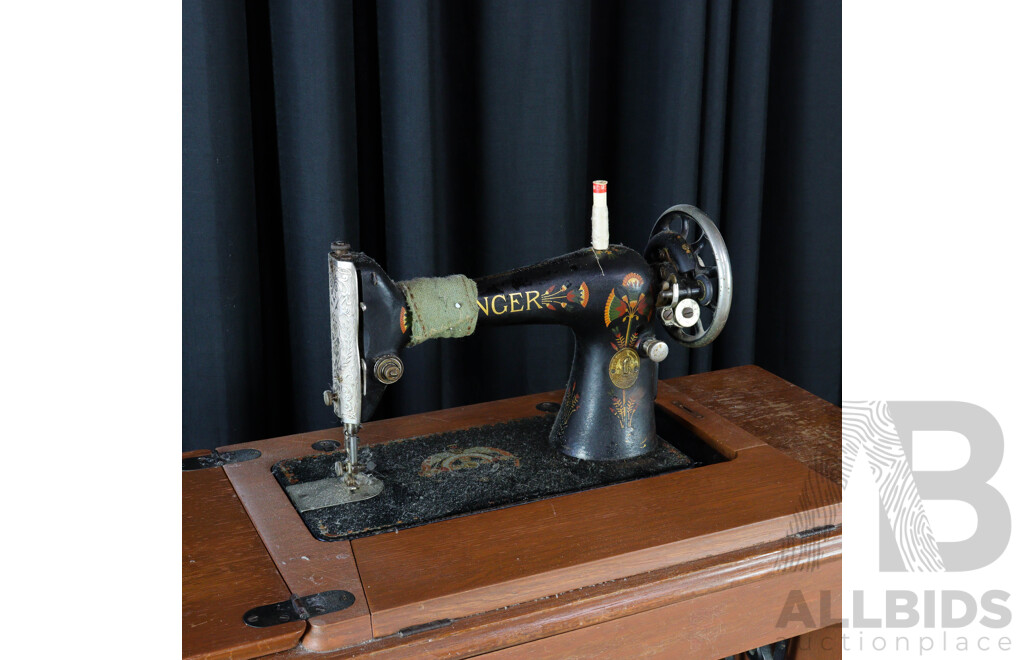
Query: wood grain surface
592 606
225 571
458 567
496 573
707 626
307 565
778 412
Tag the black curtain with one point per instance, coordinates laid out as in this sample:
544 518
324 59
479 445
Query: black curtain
461 137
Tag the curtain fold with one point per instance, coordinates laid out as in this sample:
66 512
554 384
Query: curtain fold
316 170
461 137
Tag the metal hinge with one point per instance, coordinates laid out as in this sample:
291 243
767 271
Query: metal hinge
218 459
298 608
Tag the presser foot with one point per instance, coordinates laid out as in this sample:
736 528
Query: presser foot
349 473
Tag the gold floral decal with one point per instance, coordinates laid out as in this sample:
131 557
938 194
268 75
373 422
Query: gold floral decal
463 459
572 404
565 296
623 407
633 281
626 304
622 341
402 322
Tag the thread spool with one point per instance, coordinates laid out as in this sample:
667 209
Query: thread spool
599 216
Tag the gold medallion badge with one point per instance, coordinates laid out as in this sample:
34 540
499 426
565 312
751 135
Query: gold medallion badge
624 368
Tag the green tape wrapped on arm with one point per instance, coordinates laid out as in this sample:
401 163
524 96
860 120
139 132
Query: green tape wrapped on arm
440 307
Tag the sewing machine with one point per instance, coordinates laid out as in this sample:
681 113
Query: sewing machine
607 294
384 536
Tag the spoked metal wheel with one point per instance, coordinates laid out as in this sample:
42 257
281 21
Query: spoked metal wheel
689 256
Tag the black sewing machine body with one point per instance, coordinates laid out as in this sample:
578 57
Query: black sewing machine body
607 297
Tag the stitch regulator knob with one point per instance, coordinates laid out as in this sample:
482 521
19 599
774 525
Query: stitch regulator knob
655 349
388 369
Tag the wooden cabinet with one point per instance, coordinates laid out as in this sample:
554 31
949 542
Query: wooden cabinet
696 563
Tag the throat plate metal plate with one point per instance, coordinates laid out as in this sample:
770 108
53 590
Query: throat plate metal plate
333 491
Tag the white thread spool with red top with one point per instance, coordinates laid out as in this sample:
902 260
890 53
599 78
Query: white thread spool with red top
599 217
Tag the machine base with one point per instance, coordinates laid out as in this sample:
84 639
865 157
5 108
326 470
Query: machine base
454 473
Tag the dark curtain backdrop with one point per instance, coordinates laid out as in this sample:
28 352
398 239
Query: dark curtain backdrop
461 137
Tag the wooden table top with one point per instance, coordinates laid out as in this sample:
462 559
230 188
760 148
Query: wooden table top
795 422
778 412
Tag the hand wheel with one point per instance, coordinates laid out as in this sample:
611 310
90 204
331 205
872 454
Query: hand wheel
689 256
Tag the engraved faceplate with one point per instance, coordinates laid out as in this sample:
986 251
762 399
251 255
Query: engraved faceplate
346 372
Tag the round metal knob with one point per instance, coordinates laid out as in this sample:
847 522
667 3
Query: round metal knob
329 398
655 349
388 369
687 313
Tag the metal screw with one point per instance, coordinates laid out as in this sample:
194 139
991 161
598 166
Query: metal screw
329 398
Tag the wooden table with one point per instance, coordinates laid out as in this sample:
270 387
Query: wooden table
697 564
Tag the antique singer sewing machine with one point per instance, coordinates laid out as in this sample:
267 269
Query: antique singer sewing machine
606 293
382 537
